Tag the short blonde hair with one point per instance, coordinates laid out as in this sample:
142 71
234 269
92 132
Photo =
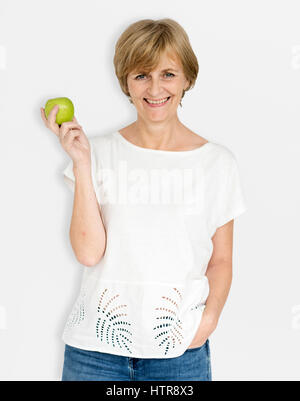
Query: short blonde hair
140 46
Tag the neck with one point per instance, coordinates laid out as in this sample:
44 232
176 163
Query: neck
158 135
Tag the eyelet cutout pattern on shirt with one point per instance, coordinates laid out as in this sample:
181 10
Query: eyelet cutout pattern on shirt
78 312
112 326
198 306
169 326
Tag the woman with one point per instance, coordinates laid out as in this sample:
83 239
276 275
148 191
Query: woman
152 223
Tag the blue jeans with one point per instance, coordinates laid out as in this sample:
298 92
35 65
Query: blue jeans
80 364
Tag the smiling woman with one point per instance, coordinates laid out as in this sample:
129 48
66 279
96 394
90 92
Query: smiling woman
148 305
140 48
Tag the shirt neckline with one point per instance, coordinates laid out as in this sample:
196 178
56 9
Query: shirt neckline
161 151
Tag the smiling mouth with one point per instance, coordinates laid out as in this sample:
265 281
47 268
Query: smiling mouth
157 104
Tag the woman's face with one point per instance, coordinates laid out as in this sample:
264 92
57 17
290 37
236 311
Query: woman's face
167 81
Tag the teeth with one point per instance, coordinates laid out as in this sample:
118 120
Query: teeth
157 101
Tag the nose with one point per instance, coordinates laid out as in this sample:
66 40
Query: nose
154 88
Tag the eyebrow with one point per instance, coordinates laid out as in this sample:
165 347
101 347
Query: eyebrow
166 69
170 69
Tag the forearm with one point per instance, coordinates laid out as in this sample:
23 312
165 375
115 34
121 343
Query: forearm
87 231
220 278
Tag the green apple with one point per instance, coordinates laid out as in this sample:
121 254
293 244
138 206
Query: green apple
65 112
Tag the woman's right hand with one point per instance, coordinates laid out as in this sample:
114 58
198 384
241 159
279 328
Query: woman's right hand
71 137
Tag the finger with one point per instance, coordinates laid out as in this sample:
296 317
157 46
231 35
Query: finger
66 127
70 124
43 115
75 120
52 115
54 128
71 135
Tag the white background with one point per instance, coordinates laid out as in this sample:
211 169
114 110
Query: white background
246 97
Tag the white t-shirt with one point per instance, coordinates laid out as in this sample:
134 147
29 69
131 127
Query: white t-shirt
160 209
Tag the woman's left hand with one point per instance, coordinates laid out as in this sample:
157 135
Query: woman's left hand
207 325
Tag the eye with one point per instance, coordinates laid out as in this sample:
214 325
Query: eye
169 74
141 75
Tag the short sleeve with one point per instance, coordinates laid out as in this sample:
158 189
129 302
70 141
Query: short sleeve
231 202
69 178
